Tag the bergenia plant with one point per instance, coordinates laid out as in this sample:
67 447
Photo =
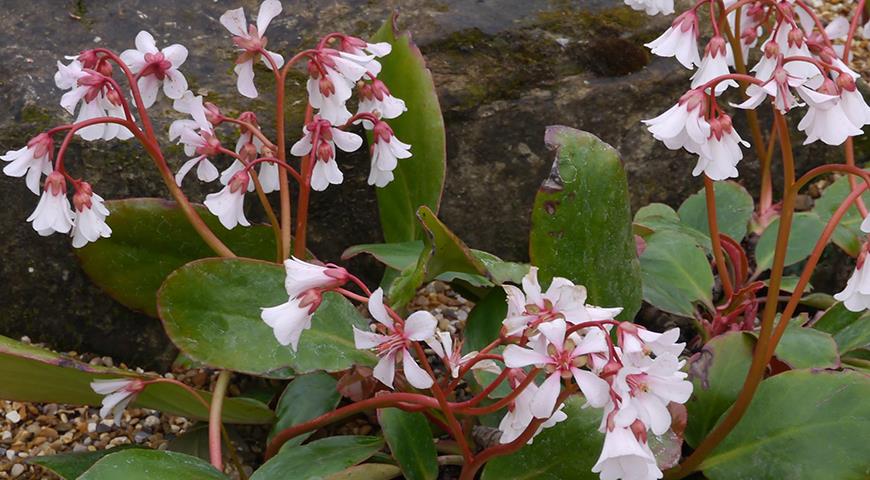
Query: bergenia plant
557 371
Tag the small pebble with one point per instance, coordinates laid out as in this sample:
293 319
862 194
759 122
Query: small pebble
13 416
17 470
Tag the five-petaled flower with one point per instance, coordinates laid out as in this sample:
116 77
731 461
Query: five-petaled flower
325 169
229 203
252 43
154 67
31 161
90 216
53 212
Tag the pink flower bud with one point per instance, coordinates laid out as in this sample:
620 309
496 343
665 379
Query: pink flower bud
213 113
82 197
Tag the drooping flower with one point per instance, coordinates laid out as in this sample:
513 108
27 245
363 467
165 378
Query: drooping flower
721 153
683 125
118 394
97 97
562 356
252 43
418 327
679 41
359 47
442 345
652 7
31 161
856 295
375 98
825 119
713 65
386 152
155 67
852 101
325 171
530 306
332 76
90 217
625 457
229 203
53 212
198 138
519 416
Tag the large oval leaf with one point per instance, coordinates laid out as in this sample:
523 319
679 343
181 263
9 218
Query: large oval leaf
319 459
717 373
676 273
410 440
419 180
70 465
142 464
851 330
806 228
801 425
733 210
306 397
150 238
32 374
581 222
211 311
803 347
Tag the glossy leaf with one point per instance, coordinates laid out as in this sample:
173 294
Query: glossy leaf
801 425
33 374
398 256
305 398
676 273
484 321
211 311
367 471
419 180
150 238
733 210
717 373
499 270
806 229
410 440
851 330
657 217
848 234
143 464
565 451
802 347
318 459
581 222
70 465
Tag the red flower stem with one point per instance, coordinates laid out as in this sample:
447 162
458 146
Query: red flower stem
759 359
453 425
850 161
352 296
214 419
485 392
305 189
251 128
810 266
712 221
134 88
830 168
502 402
281 164
812 13
360 284
393 399
72 129
853 26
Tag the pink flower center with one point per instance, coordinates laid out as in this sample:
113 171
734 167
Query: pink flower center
156 64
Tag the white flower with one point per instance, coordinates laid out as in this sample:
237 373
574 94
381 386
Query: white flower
647 389
679 41
325 171
291 318
155 67
529 307
852 102
683 125
229 203
721 152
97 98
442 345
90 217
251 41
519 416
53 212
376 98
118 394
856 295
417 327
31 161
198 138
778 85
624 457
332 76
652 7
714 64
563 358
360 47
386 153
634 339
825 119
303 276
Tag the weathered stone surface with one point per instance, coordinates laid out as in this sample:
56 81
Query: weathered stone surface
504 70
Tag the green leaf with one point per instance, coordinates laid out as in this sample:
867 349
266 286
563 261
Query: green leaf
733 210
802 347
676 273
851 330
150 238
419 180
410 440
70 465
717 373
657 212
211 311
565 451
801 425
318 459
848 234
789 283
33 374
499 270
194 442
398 256
367 471
806 229
484 321
142 464
581 222
305 398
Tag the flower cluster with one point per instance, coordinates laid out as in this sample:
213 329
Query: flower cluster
796 60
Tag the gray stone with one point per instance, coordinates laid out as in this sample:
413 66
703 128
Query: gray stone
504 71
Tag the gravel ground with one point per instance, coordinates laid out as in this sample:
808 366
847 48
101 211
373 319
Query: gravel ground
37 429
830 9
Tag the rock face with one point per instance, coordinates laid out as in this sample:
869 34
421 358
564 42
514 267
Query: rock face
504 71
